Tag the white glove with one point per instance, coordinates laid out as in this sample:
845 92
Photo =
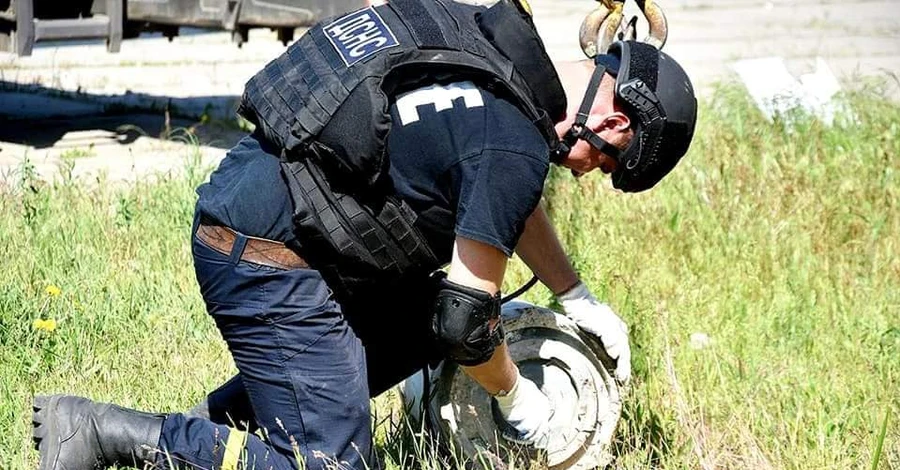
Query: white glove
527 410
600 320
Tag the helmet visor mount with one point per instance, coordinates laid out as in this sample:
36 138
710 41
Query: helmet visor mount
642 104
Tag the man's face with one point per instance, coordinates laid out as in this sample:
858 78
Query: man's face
584 158
606 120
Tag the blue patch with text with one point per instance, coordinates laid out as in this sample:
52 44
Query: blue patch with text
359 35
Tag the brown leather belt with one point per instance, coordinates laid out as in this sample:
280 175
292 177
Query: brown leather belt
258 250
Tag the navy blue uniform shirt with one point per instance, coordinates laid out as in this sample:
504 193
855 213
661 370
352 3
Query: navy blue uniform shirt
469 163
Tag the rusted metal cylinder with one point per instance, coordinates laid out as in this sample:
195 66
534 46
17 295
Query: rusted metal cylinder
568 366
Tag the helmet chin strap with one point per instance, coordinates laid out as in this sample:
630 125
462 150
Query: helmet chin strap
579 130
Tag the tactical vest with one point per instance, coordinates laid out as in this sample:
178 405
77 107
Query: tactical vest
325 102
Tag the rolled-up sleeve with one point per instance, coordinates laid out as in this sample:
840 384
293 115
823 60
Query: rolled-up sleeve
498 191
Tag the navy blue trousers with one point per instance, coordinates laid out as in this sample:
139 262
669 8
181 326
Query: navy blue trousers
307 365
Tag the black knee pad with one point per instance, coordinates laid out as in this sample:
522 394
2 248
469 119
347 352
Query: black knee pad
467 323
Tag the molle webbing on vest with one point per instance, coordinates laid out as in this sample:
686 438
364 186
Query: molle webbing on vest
348 241
426 31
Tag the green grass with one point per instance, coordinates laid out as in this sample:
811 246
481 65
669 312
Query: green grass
78 152
781 246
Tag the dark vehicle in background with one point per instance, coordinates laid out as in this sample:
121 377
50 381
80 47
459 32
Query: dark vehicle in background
24 22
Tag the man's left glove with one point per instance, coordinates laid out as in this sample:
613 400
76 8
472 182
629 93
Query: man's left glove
599 319
527 412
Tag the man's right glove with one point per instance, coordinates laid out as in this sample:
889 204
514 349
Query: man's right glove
527 411
599 319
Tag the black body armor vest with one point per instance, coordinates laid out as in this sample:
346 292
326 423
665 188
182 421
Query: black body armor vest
325 102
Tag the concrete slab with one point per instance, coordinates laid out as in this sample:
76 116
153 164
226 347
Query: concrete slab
29 106
117 148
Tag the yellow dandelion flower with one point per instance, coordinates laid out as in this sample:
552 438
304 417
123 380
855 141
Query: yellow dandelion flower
45 325
53 291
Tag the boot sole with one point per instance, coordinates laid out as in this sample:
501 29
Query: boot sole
45 430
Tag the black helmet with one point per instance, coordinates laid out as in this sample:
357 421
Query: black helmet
657 95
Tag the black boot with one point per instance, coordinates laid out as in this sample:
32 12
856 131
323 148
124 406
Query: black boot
73 433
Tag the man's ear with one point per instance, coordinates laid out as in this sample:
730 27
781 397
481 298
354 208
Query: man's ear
616 121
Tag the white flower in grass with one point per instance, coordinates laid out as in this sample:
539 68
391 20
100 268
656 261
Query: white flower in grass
700 340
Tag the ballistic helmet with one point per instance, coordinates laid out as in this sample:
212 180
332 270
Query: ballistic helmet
657 95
